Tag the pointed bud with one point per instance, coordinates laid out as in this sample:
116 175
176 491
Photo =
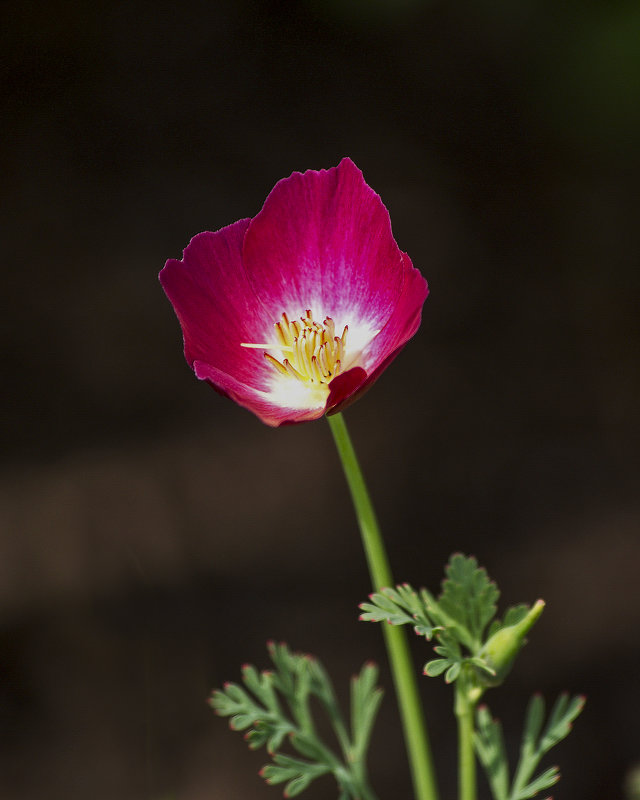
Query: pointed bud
502 648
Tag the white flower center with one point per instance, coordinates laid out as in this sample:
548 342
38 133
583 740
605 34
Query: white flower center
314 354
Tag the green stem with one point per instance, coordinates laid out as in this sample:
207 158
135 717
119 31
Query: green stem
367 792
415 731
361 782
464 709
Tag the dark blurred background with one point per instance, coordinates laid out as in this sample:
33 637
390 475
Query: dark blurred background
153 534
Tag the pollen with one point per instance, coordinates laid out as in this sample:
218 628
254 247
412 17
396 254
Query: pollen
309 351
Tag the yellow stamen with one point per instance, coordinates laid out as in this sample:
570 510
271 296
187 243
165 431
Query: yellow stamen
266 346
275 363
280 335
330 328
292 370
316 354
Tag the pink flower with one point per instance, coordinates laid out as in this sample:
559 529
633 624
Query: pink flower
296 312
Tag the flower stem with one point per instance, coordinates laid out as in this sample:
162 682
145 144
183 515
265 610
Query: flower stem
464 709
415 731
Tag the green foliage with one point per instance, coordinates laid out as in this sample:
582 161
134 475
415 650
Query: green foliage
461 619
274 708
536 742
468 600
452 659
476 651
298 773
400 606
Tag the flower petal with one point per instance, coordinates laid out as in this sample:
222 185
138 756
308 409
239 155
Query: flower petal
402 325
323 241
344 387
270 412
404 321
216 305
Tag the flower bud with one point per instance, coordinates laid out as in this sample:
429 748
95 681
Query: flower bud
502 648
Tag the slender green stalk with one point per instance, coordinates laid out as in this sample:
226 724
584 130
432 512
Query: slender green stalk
415 731
362 782
464 709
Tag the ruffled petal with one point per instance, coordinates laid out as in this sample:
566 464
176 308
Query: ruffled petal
404 321
216 305
402 325
260 403
323 242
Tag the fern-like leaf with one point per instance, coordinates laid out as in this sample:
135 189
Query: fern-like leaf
399 606
489 743
537 740
468 599
273 707
298 774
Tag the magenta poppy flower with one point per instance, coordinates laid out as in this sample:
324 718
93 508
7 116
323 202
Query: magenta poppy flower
296 312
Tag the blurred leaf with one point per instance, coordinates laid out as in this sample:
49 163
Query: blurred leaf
298 773
365 703
535 743
437 667
296 678
489 743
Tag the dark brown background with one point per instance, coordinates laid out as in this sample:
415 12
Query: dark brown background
153 535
